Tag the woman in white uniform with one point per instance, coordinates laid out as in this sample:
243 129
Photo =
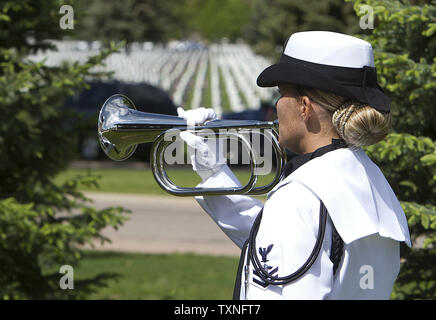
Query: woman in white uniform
331 228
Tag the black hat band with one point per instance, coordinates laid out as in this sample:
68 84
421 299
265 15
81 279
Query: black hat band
359 77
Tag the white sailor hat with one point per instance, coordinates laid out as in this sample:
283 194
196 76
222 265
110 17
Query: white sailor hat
329 61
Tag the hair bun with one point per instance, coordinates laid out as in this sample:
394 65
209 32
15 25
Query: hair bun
360 124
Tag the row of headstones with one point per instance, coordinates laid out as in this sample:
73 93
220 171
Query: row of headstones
178 72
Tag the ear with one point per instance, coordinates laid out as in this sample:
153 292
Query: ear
306 108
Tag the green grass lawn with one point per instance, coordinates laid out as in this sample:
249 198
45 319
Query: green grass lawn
141 181
153 276
157 276
124 180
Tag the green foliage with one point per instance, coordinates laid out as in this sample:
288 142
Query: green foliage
273 21
405 43
129 20
160 21
34 237
159 276
216 19
406 161
40 223
405 48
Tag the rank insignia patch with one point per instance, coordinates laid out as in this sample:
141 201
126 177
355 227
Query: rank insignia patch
264 253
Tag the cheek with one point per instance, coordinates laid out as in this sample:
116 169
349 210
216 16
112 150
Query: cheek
284 119
288 125
282 115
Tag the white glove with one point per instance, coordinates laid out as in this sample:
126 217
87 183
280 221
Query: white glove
206 157
197 116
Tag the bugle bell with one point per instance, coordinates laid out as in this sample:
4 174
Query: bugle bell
121 128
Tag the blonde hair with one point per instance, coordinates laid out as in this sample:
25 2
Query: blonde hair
357 123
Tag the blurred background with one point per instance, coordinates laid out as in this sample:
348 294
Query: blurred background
63 202
184 53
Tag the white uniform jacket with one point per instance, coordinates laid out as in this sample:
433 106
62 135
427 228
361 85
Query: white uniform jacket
362 207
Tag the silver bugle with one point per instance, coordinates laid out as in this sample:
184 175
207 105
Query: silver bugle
121 128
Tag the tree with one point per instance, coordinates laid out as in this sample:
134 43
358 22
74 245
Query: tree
216 19
273 21
129 20
41 224
160 21
404 42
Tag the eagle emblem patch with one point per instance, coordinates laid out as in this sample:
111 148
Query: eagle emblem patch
267 268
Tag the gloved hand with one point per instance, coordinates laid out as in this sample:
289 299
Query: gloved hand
207 158
197 117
